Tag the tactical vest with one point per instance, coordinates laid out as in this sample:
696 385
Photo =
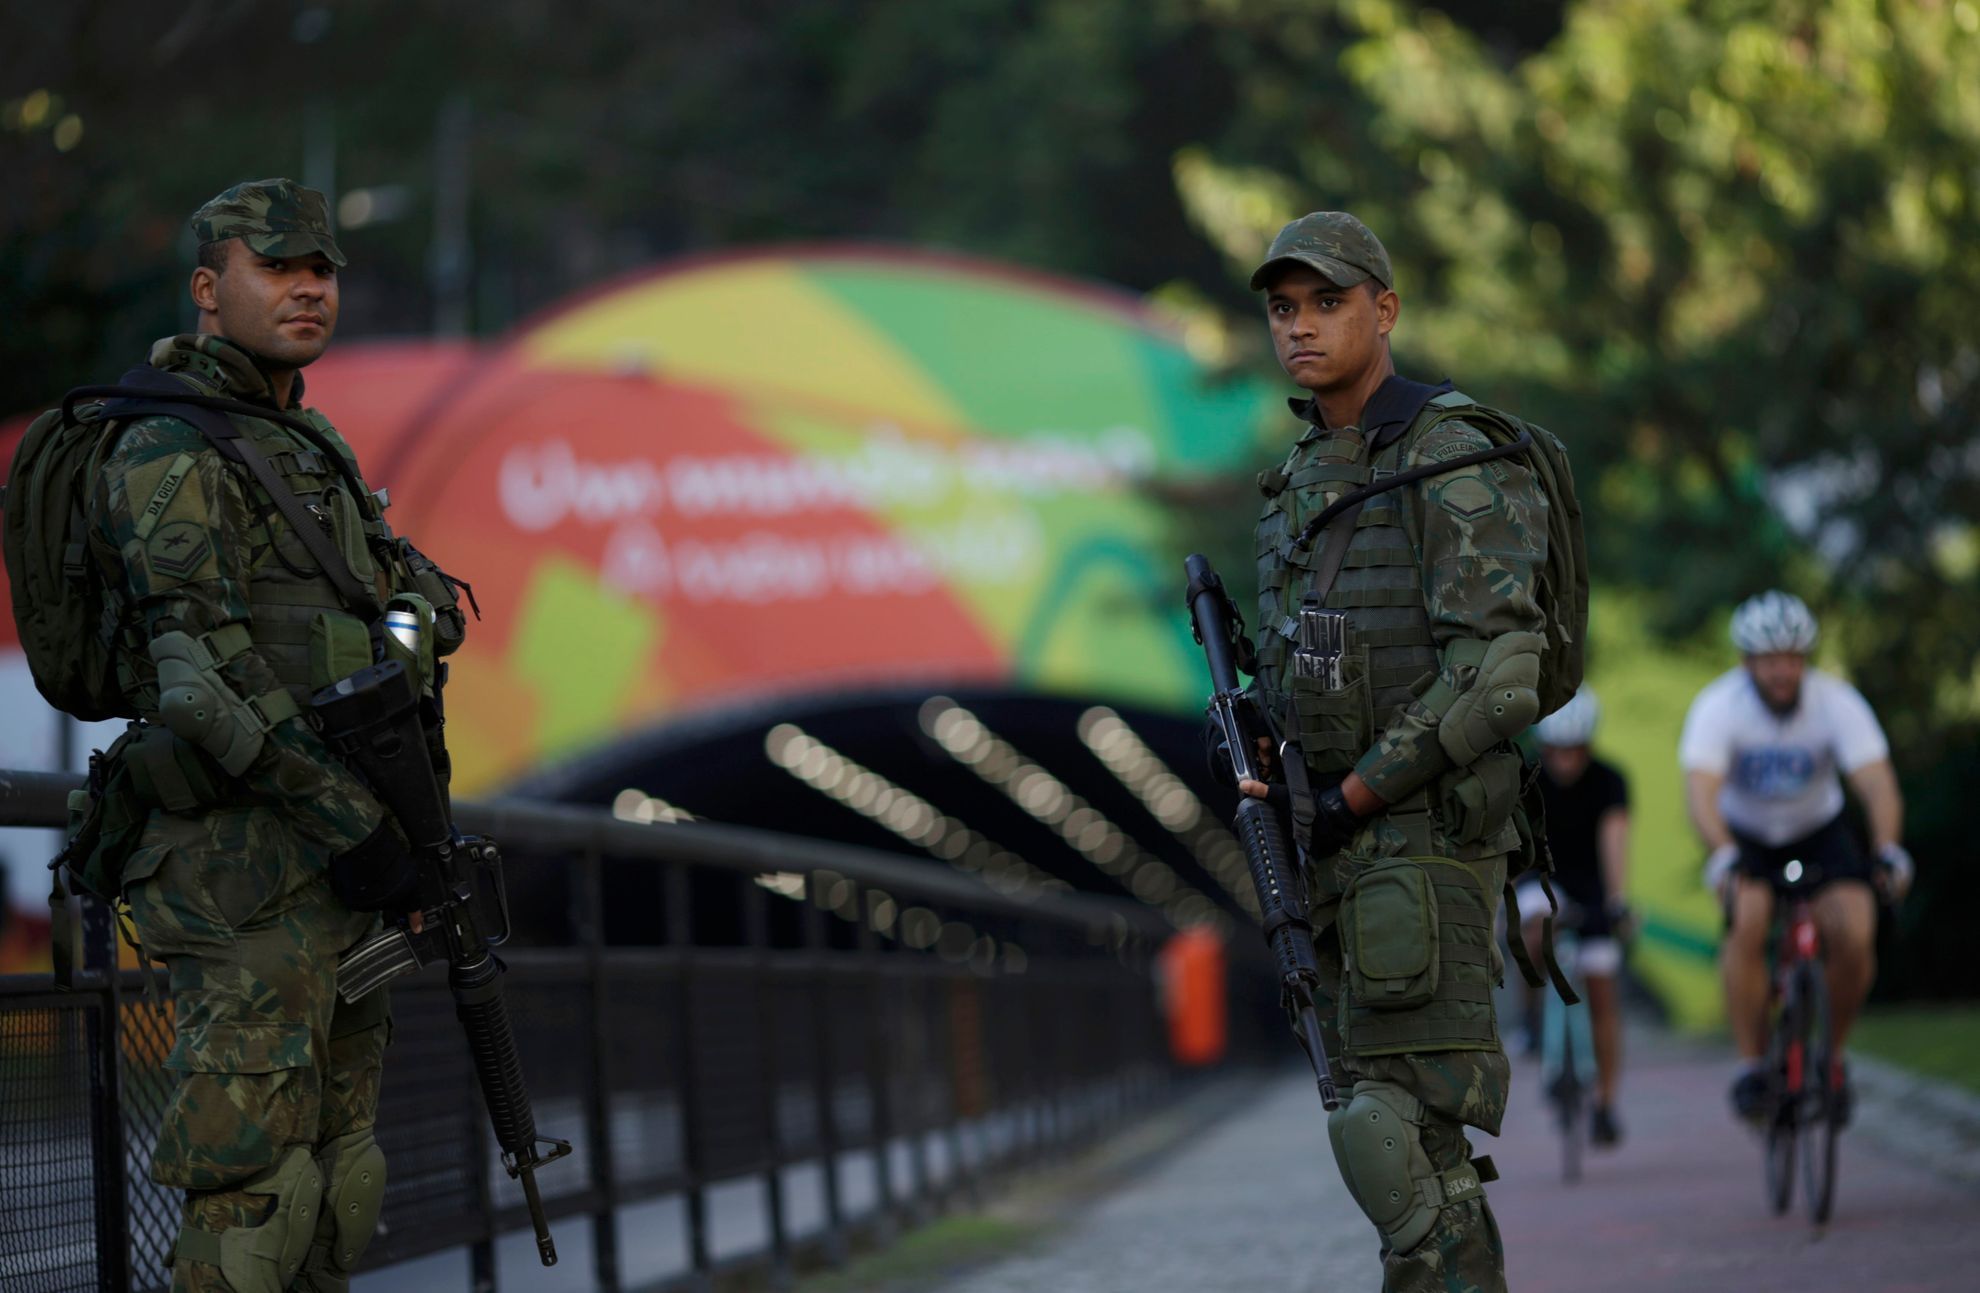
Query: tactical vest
1380 586
1424 920
300 624
1392 656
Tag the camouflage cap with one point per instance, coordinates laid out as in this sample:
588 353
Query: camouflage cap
274 218
1332 242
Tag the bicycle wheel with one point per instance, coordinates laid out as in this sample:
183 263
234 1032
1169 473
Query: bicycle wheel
1819 1131
1785 1073
1567 1103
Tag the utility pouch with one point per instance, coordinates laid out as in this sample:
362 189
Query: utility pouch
1532 856
1389 936
166 772
106 821
439 590
347 531
339 646
1478 801
413 647
1335 725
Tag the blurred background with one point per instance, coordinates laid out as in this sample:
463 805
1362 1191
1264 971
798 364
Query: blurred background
821 397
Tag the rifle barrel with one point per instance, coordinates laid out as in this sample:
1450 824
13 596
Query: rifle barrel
1273 865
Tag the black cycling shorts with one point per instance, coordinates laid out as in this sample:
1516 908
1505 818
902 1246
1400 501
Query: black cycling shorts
1830 853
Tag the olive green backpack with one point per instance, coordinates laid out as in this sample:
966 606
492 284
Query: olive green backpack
63 577
58 572
1562 586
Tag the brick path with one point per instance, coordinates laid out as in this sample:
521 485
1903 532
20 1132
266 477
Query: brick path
1254 1205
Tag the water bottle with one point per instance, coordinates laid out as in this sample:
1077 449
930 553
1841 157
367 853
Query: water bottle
404 627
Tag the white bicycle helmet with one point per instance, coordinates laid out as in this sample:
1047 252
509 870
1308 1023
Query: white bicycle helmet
1573 723
1773 621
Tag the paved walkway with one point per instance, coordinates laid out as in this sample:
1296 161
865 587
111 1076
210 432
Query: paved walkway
1680 1205
1254 1204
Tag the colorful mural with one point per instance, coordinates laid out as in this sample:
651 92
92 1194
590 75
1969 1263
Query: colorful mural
794 471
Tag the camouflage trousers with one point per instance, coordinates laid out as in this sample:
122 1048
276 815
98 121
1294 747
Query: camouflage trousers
1458 1088
268 1058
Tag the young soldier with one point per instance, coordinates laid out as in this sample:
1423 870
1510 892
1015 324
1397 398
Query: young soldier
226 623
1416 613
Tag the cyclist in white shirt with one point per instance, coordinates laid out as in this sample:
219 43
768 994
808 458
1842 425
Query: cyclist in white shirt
1761 751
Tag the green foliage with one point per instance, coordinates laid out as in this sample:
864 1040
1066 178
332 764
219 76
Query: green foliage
1941 1041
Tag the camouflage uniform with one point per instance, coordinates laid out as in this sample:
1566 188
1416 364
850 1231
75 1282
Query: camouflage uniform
230 891
1432 572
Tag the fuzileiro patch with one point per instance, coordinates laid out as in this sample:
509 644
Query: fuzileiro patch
1456 446
180 551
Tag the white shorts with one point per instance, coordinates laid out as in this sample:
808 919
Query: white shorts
1599 958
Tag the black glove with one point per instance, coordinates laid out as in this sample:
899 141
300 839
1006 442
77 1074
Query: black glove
1622 921
1334 823
380 874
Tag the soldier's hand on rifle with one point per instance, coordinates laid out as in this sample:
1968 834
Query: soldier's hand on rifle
1267 767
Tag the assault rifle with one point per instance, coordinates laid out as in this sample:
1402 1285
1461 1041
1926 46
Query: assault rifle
374 720
1274 867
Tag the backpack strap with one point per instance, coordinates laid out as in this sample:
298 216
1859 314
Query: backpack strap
1517 942
146 382
1356 497
147 392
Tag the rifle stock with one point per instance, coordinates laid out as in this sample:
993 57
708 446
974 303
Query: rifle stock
1274 866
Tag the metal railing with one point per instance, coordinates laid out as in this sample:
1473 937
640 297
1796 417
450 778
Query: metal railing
802 1044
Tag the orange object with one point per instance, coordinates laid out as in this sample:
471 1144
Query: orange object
1193 992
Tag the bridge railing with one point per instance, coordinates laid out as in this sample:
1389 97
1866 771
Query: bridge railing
762 1047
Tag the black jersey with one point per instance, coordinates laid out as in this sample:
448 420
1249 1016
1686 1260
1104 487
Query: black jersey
1573 817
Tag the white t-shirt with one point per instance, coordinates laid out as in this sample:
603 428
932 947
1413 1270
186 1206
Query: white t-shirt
1780 772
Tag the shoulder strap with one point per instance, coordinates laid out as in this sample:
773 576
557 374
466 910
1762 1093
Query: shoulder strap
1390 412
147 398
1355 498
1335 553
1527 971
146 382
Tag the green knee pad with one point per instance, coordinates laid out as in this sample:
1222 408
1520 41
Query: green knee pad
264 1258
1378 1145
355 1168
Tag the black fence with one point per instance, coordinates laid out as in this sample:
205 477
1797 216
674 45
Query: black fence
807 1045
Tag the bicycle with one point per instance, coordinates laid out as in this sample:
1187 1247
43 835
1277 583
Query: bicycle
1801 1113
1567 1045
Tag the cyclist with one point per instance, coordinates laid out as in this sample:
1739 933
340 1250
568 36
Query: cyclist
1761 750
1588 831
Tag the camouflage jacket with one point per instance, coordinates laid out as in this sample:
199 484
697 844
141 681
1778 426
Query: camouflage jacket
1477 538
190 567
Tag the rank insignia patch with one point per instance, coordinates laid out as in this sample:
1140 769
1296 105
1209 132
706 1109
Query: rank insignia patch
1466 497
178 550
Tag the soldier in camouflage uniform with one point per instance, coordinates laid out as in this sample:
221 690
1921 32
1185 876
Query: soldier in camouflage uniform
227 625
1406 752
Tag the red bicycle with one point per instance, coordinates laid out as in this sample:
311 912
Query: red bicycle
1803 1115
